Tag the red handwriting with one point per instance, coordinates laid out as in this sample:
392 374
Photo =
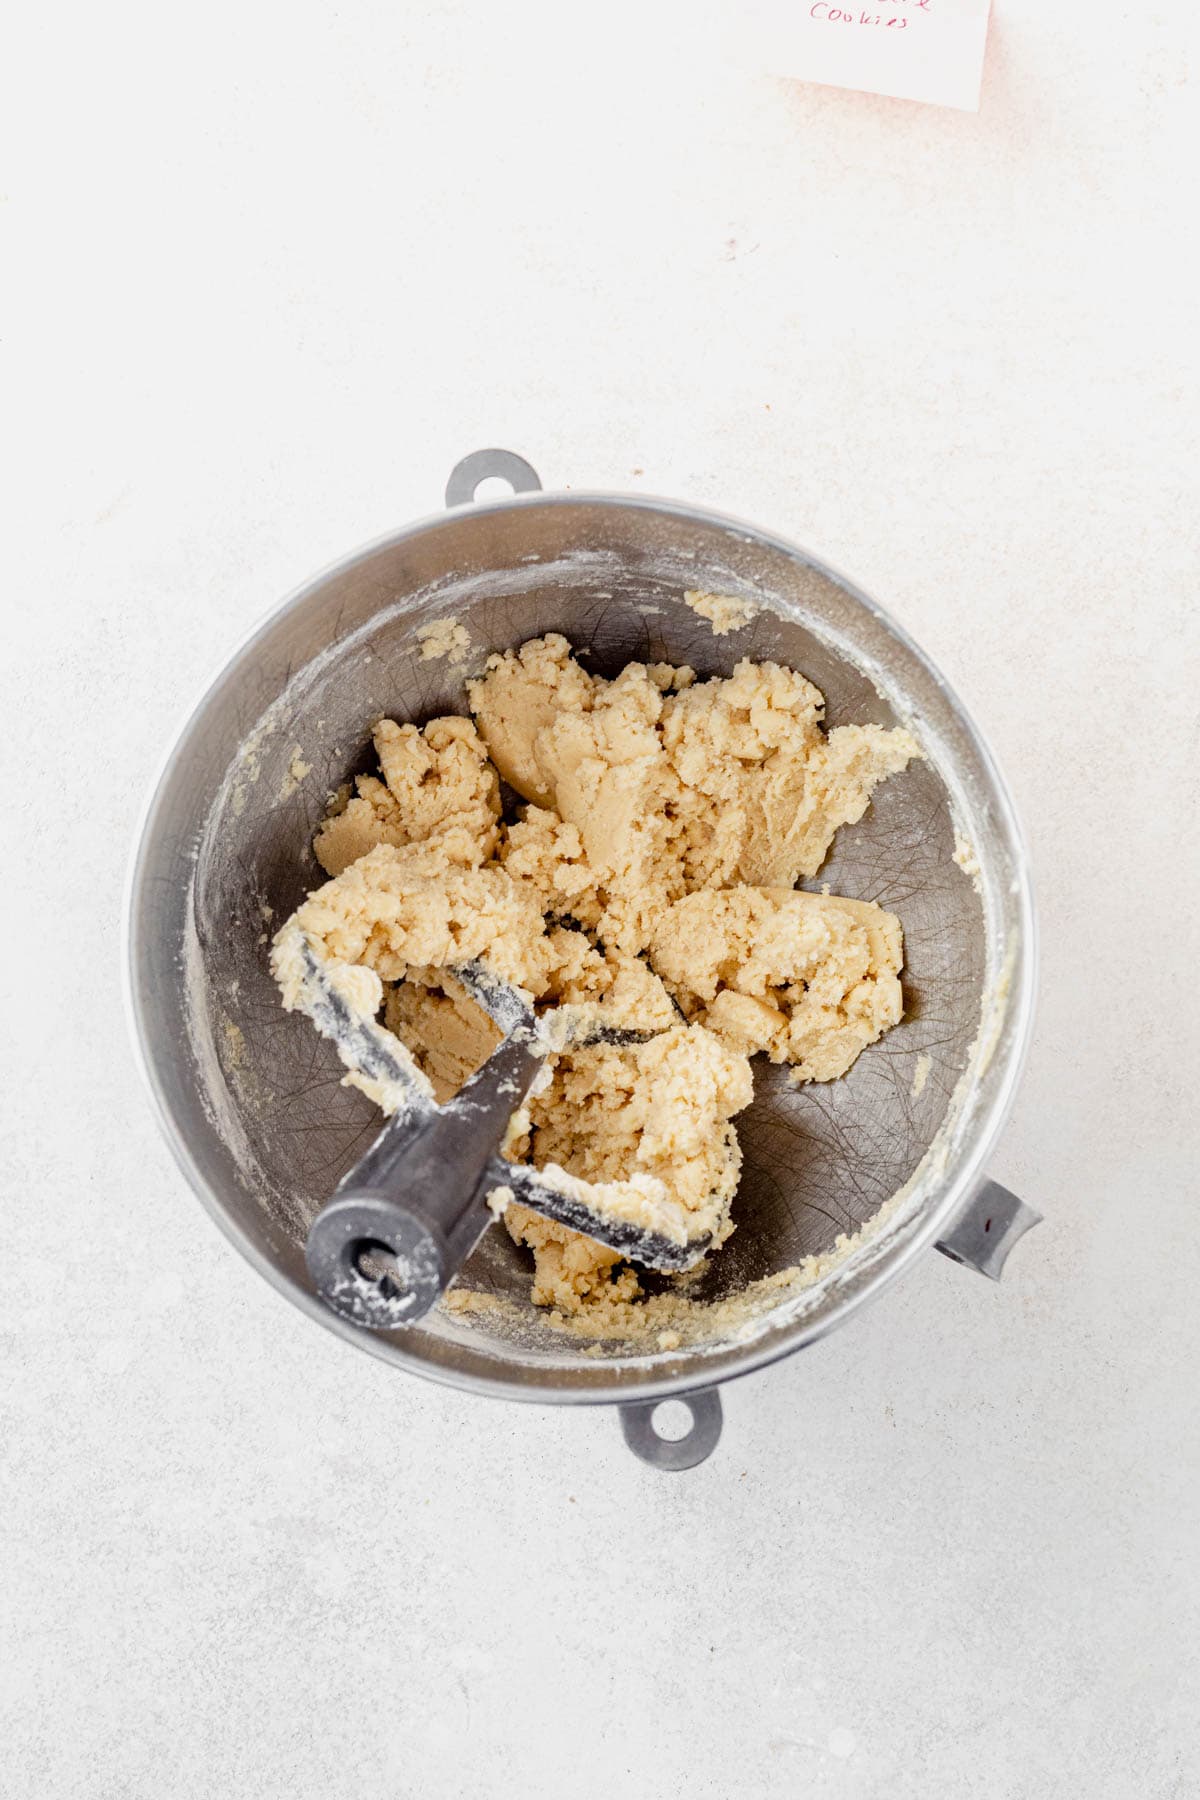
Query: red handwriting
839 15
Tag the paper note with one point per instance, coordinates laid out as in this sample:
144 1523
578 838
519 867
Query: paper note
912 49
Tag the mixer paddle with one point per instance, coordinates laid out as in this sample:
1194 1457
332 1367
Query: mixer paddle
402 1222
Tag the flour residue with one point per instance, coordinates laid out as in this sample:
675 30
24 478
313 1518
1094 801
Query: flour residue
967 858
296 772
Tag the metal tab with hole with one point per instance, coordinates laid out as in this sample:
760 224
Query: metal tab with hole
637 1423
467 476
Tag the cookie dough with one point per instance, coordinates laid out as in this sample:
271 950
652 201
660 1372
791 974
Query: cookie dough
444 637
724 612
669 784
434 783
649 867
810 979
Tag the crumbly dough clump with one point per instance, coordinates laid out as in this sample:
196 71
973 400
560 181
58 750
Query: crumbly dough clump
650 870
444 637
665 784
724 612
436 783
809 978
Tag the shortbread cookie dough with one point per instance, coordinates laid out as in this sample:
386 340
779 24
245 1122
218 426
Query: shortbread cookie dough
724 612
669 784
648 867
437 782
809 978
444 637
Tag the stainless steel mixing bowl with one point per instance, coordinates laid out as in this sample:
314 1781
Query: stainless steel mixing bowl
251 1100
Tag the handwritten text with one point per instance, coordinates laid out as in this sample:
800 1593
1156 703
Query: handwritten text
839 15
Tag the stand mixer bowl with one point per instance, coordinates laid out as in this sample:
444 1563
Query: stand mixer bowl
251 1101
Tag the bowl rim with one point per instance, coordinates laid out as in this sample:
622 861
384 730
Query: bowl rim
627 1383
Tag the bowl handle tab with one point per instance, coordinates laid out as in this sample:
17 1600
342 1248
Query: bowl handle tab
482 465
637 1423
986 1230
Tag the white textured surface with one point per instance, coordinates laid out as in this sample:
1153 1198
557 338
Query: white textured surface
276 270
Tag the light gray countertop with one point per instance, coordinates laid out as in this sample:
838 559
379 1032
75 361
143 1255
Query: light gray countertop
273 277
